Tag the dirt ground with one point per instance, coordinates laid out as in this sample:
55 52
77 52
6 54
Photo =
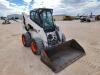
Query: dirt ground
18 60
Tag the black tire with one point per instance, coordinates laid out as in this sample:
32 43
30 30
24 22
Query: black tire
26 39
38 46
63 38
88 20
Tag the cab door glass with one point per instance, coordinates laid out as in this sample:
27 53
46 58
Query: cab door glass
32 15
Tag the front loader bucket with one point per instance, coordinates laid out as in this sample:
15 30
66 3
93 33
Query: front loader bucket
60 56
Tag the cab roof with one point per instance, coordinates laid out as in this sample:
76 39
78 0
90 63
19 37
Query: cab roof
40 9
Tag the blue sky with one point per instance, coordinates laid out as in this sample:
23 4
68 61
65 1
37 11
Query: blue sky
17 2
68 7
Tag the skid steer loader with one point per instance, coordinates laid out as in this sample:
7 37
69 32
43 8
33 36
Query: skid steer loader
45 39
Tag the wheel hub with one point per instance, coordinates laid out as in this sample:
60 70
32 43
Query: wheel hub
33 46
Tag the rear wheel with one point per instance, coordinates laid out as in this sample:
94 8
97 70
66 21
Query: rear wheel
26 40
36 46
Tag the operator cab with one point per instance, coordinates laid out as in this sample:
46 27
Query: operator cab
43 17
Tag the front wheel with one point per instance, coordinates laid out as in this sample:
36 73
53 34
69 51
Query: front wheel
36 46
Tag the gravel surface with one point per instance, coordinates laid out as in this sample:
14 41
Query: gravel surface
18 60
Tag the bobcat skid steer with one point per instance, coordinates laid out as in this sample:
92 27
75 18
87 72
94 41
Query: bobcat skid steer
45 39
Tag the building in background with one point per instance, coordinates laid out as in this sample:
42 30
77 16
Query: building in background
58 17
15 16
63 18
